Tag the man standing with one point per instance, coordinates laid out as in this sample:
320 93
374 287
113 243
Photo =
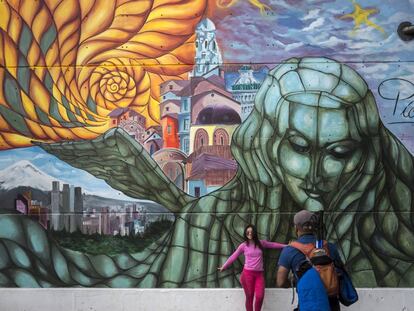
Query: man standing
291 258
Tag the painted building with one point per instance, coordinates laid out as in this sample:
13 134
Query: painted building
71 207
170 88
67 206
153 140
210 164
176 96
183 92
55 204
244 90
210 110
34 209
207 116
170 106
169 124
184 122
129 120
209 173
91 224
105 221
172 162
78 202
208 56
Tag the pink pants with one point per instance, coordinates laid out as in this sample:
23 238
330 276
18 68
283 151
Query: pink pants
253 284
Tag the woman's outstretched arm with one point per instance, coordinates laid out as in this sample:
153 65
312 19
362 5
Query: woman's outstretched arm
233 257
268 244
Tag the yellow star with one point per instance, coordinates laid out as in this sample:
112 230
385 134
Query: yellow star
360 17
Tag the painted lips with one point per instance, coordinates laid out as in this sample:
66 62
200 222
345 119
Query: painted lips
313 194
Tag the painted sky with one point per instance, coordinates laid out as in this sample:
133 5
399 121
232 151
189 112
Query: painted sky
60 170
297 28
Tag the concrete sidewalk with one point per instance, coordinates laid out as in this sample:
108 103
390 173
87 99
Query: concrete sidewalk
95 299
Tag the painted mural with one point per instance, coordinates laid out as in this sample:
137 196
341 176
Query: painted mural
138 138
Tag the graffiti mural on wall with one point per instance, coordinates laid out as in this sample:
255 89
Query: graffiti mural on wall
173 124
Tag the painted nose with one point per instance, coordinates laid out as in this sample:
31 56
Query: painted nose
314 175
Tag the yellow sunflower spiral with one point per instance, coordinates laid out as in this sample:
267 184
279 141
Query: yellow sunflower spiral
114 84
66 64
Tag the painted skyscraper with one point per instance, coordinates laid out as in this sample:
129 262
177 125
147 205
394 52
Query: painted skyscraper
78 208
66 207
57 223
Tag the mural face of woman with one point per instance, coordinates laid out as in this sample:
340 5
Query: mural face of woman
318 152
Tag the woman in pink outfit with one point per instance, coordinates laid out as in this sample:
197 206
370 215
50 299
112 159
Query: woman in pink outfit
252 277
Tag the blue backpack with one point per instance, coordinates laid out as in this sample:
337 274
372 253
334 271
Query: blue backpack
311 292
347 293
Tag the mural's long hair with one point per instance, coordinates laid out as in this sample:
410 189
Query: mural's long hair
375 207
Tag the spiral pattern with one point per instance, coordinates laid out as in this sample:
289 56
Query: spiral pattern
65 65
114 84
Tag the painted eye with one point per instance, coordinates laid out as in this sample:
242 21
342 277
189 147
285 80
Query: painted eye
342 150
299 144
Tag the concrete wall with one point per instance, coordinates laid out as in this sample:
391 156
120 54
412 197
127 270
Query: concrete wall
378 299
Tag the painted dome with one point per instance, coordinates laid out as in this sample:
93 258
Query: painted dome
206 25
218 115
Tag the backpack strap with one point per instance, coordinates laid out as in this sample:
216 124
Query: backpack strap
326 247
305 249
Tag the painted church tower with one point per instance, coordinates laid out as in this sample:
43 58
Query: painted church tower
244 90
208 57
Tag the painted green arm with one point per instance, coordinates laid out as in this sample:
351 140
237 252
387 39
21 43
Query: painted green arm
124 164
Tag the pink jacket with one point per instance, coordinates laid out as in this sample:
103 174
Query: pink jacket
253 255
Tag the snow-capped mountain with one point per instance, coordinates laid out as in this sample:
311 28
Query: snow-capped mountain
16 177
24 173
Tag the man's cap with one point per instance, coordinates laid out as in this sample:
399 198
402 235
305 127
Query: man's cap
304 217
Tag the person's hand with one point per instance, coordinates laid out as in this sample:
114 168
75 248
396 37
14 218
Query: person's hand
220 269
